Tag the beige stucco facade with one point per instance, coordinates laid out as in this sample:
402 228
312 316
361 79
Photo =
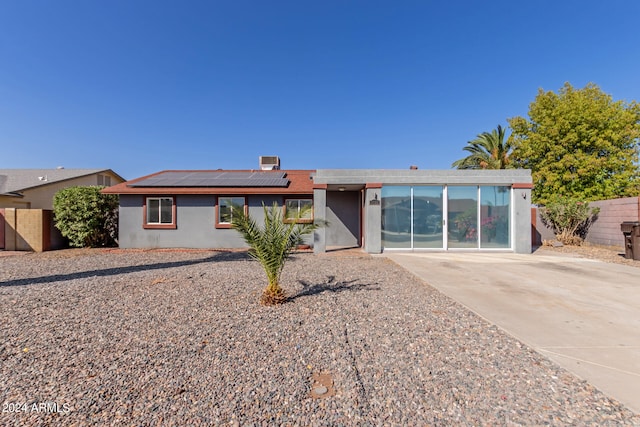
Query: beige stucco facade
41 197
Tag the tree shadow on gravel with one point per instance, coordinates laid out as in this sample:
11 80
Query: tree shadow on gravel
218 257
332 286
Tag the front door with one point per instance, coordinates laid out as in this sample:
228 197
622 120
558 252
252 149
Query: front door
343 214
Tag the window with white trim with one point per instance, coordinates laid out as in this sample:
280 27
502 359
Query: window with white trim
160 211
225 206
298 209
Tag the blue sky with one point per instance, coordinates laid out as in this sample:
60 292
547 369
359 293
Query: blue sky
142 86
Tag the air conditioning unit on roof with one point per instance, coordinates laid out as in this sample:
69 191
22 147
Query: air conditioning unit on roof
269 163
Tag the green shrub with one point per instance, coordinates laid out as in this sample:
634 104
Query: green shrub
86 217
569 218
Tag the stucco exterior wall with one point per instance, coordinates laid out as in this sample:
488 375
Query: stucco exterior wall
13 202
195 221
373 220
522 220
418 176
521 212
344 208
42 197
320 214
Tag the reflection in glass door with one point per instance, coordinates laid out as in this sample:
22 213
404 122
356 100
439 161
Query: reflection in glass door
495 209
427 217
396 217
462 224
477 217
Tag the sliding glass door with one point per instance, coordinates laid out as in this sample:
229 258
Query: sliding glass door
396 217
446 217
412 217
462 212
495 210
428 217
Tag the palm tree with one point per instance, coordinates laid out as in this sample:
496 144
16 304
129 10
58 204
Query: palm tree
272 244
488 151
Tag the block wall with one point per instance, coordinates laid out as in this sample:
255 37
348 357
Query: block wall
10 229
2 226
605 230
27 229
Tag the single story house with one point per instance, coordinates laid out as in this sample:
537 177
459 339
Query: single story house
35 188
26 204
192 209
375 209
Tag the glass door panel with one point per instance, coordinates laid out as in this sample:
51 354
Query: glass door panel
495 206
396 217
427 217
462 223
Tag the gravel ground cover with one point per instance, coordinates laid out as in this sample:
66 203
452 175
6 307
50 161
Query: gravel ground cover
100 337
609 254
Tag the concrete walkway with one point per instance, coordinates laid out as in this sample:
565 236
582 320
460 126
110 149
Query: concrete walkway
582 314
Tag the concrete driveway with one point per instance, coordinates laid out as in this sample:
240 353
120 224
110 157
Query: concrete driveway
582 314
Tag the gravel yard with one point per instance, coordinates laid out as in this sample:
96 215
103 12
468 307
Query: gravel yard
112 337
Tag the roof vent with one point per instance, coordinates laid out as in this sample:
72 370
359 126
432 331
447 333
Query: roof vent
269 163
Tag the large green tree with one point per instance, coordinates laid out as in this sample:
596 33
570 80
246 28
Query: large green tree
489 150
579 143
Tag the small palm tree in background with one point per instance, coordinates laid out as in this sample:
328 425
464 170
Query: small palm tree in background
272 244
488 151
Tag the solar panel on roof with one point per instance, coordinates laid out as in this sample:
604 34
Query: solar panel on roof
215 179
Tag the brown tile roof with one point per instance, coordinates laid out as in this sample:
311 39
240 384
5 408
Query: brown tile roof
300 182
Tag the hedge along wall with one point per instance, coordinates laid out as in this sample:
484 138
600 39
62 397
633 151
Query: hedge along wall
605 230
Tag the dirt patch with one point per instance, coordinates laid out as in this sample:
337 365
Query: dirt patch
610 254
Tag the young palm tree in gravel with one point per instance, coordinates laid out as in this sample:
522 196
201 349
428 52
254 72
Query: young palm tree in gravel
487 151
272 243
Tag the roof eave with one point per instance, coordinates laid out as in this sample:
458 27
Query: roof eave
12 194
45 183
205 190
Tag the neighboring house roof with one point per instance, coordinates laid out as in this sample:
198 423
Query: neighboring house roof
14 181
218 182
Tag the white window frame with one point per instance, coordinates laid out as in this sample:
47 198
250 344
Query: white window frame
149 223
298 208
227 224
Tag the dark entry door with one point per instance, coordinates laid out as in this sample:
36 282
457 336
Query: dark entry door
343 214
